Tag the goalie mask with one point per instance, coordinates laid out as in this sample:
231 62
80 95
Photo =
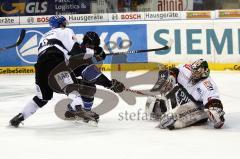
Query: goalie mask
165 82
199 70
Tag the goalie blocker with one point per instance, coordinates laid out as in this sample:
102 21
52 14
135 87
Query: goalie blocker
189 95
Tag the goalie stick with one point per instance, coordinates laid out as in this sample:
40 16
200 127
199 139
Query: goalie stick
19 41
166 47
168 103
139 92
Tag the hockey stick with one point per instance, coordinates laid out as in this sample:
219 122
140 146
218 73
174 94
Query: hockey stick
168 103
166 47
140 93
19 41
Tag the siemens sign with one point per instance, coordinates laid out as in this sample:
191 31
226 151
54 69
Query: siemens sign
197 38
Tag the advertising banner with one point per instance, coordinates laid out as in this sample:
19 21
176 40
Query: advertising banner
134 16
24 7
216 41
195 35
168 5
9 20
26 53
87 18
70 6
162 15
198 15
42 19
225 14
114 38
43 7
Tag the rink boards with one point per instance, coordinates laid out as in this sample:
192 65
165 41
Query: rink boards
214 39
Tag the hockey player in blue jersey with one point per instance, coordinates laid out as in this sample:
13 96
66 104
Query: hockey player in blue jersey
56 70
90 74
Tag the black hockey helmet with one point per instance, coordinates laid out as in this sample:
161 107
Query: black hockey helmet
199 70
91 38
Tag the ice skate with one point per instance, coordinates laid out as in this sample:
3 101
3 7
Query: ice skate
94 117
87 116
70 113
16 120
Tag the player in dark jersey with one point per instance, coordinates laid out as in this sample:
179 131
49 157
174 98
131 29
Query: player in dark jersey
90 74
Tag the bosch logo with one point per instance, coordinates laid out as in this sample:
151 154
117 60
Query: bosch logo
42 19
28 50
130 16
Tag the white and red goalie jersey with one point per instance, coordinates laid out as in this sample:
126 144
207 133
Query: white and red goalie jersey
203 91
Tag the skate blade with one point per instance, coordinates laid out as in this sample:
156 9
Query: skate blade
13 126
70 119
93 123
89 123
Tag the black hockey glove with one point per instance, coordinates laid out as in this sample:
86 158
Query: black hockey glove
99 54
117 86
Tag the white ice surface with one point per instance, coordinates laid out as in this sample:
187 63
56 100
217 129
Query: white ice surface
44 136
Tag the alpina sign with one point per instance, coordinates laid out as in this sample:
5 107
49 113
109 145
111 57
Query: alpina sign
171 5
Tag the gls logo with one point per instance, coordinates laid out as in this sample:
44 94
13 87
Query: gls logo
28 50
36 7
31 7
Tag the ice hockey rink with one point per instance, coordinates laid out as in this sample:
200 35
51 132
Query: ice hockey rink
46 136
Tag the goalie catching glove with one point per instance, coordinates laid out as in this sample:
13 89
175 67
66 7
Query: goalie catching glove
215 113
165 82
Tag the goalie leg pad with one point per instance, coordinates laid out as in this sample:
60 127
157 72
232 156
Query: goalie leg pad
189 114
150 105
155 107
